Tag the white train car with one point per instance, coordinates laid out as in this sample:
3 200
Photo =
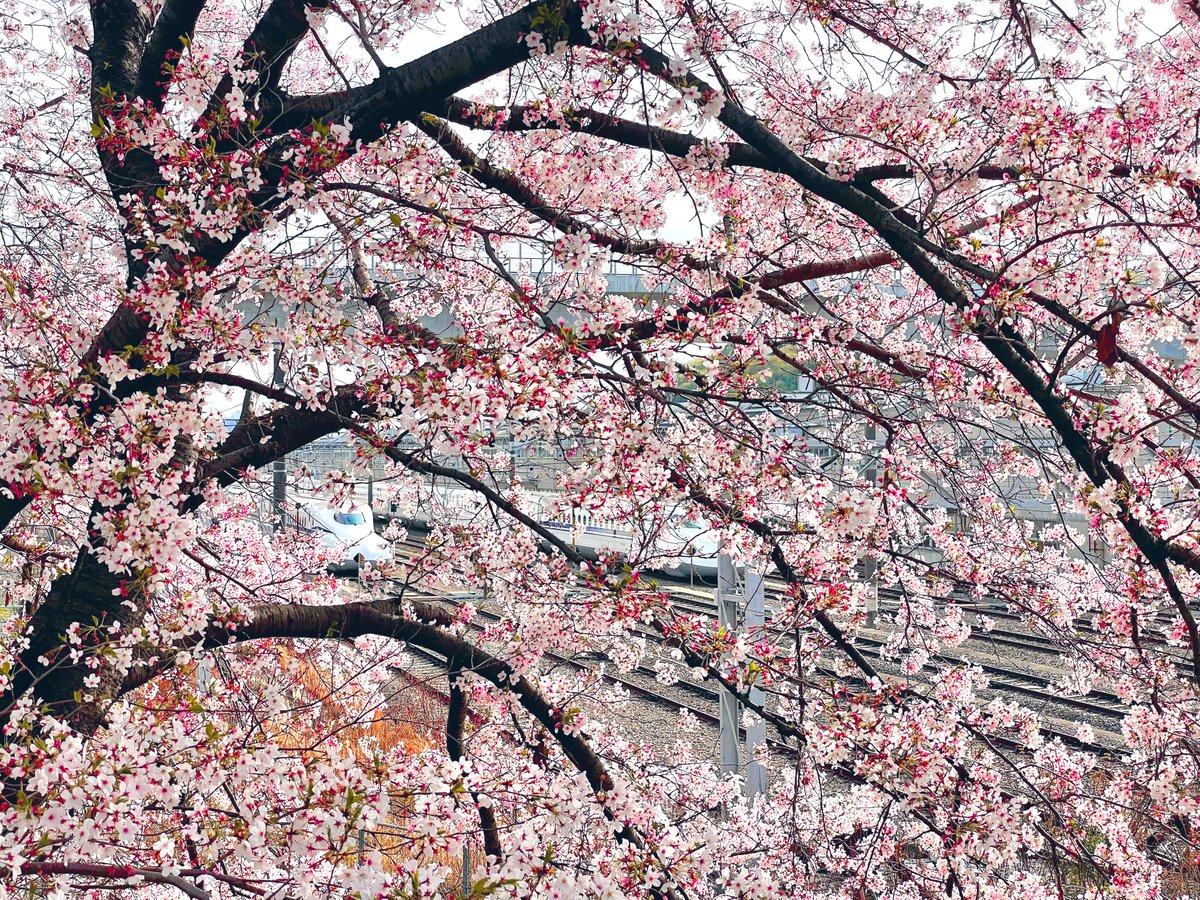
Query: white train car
350 526
686 548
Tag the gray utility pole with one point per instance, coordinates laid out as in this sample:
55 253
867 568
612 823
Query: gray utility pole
278 468
204 677
756 735
728 597
730 594
870 573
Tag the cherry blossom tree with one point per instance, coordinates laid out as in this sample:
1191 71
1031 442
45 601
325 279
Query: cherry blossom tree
905 271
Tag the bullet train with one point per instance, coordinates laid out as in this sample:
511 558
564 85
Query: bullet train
350 526
687 548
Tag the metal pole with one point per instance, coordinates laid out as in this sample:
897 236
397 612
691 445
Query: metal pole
727 616
756 735
279 470
203 677
870 573
466 867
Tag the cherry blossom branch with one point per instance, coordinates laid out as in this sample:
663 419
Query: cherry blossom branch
781 563
375 297
126 873
290 428
494 497
512 186
266 52
1081 327
640 135
813 271
1001 340
583 120
429 628
397 95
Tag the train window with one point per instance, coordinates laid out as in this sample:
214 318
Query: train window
352 518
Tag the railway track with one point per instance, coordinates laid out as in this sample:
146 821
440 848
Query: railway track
633 687
1024 640
1031 682
704 699
891 600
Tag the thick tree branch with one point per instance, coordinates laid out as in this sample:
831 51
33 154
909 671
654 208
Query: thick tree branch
456 720
119 27
402 93
172 31
632 133
428 629
266 53
110 872
508 183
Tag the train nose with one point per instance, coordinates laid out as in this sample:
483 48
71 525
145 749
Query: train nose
375 549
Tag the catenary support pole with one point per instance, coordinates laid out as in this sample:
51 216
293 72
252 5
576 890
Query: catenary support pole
279 468
728 595
756 734
871 575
